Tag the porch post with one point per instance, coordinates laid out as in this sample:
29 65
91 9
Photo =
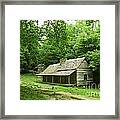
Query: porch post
44 78
60 79
69 79
52 79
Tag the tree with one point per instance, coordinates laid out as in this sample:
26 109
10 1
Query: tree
54 45
57 39
63 39
93 57
29 46
83 39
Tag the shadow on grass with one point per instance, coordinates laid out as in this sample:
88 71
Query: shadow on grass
29 93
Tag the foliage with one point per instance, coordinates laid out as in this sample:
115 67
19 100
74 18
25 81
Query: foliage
54 42
94 59
29 46
84 40
56 39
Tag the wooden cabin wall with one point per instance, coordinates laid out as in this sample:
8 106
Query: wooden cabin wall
73 78
56 79
83 70
44 78
64 79
47 78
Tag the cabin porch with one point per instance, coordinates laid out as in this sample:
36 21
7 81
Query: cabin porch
61 79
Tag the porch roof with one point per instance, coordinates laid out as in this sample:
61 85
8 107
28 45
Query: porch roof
58 73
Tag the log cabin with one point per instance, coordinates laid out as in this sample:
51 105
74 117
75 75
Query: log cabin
72 71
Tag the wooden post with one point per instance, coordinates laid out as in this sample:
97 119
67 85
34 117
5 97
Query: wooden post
52 79
60 79
68 79
45 78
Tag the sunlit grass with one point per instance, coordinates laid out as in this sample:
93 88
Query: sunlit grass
32 89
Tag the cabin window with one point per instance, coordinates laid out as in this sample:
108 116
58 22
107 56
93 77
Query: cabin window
90 75
85 76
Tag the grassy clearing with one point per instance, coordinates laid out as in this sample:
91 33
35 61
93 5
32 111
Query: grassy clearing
32 88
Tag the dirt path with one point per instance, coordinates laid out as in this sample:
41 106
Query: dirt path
70 95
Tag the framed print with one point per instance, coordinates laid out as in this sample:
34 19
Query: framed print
59 59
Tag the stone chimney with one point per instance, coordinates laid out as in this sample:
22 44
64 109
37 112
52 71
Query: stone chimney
62 61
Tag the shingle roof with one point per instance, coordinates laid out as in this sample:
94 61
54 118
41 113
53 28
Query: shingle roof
66 68
51 68
71 64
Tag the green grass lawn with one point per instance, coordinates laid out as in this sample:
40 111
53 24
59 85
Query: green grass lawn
32 88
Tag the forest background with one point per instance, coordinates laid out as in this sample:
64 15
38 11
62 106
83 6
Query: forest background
55 39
